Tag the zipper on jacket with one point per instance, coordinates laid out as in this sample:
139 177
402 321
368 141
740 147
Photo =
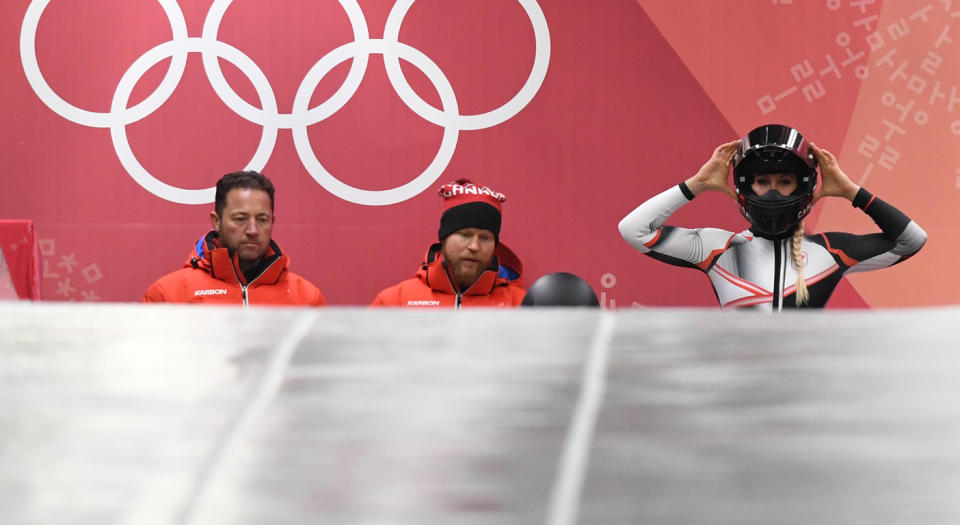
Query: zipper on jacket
458 300
778 269
243 287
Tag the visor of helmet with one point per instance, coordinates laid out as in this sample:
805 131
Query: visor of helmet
775 148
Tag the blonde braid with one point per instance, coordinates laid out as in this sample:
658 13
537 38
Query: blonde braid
802 295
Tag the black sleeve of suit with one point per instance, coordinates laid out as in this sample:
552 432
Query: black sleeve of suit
891 221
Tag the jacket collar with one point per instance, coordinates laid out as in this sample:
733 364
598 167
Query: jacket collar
210 256
435 274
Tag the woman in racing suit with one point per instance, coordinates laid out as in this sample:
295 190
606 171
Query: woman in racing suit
774 264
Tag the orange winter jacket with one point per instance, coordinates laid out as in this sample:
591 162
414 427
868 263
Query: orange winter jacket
500 286
212 276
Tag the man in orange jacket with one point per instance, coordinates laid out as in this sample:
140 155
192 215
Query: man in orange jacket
469 266
237 262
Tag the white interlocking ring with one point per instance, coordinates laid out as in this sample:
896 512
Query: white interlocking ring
469 122
301 115
28 56
118 130
447 145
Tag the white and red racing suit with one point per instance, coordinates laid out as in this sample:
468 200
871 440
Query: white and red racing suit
750 271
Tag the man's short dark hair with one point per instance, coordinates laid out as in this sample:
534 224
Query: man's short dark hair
253 180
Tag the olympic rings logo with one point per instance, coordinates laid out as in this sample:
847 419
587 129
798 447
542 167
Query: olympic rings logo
301 116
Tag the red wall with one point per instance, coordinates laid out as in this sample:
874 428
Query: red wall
636 95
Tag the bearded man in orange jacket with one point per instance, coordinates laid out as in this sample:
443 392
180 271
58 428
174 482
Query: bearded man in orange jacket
469 266
238 262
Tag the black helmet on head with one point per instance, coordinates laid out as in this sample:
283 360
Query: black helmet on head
774 148
560 289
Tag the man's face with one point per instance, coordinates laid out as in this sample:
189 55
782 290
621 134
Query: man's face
468 253
246 225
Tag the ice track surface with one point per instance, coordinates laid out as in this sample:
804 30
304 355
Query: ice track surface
135 414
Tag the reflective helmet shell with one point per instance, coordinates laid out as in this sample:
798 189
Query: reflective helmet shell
774 148
560 289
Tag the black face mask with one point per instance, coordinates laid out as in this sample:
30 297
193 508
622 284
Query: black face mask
773 215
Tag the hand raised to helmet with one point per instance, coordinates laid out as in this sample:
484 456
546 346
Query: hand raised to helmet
833 181
715 173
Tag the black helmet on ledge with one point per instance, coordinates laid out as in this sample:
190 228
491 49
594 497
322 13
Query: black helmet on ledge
560 289
774 148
